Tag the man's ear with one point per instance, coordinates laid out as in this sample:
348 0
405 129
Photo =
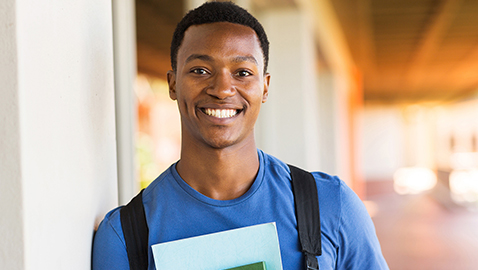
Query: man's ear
172 84
265 94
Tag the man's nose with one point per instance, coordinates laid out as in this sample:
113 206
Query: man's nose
222 86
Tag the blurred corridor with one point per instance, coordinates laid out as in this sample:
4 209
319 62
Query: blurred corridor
417 232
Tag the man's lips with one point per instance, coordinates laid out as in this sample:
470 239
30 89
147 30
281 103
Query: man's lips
221 113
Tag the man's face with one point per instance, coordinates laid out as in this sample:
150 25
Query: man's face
219 84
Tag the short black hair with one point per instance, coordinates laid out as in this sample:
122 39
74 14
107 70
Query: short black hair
211 12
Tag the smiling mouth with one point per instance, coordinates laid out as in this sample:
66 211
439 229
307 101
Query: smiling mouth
220 113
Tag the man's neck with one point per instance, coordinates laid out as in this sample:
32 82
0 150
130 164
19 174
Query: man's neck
221 174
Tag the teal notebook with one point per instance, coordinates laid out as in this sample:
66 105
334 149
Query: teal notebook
242 247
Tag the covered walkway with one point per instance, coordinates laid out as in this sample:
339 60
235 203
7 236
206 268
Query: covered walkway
419 232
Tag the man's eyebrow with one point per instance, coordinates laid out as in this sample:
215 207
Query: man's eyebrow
200 57
246 58
236 59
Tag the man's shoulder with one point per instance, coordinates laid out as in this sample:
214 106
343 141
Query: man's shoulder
280 167
111 224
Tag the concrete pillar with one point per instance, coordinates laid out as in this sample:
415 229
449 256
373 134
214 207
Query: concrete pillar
124 33
192 4
11 198
328 120
57 157
288 127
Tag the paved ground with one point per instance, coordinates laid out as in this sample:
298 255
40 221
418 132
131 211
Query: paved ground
419 232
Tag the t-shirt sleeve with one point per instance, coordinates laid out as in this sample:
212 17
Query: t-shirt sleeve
109 249
358 244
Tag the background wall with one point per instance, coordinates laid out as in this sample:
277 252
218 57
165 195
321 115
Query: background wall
58 132
382 151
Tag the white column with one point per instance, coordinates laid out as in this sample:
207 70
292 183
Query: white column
328 123
288 124
124 34
192 4
58 156
11 203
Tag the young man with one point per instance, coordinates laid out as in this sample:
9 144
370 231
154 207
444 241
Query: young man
219 56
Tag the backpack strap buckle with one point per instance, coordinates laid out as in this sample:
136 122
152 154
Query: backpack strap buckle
311 261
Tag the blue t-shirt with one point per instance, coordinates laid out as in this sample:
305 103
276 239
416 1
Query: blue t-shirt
176 211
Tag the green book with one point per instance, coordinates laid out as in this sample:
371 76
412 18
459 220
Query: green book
253 266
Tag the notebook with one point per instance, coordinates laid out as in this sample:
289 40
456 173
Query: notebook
243 247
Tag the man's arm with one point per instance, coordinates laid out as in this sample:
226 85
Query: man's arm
359 247
109 249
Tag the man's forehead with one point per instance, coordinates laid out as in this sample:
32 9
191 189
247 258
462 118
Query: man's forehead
199 39
215 26
211 30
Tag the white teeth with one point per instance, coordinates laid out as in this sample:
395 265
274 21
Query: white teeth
226 113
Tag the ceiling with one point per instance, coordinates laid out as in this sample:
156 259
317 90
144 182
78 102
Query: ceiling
406 50
155 24
413 50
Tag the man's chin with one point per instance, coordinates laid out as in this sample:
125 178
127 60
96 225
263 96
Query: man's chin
224 142
223 138
221 144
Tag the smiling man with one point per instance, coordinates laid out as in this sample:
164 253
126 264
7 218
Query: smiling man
219 83
219 78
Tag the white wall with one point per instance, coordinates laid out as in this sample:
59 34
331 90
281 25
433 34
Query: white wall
415 135
61 131
383 142
457 121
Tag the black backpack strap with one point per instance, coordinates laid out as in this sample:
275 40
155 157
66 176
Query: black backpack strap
306 201
135 231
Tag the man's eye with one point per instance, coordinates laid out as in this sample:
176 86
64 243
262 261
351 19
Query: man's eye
199 71
244 73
